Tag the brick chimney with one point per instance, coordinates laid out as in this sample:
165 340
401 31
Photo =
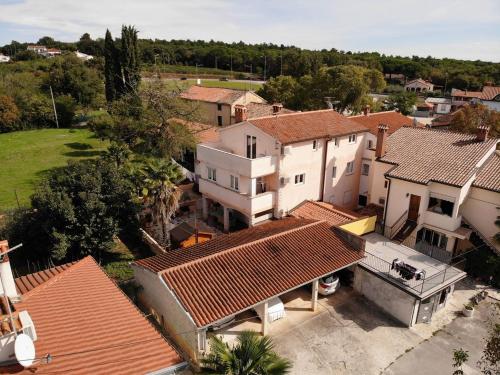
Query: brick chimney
240 113
380 150
9 286
482 133
277 107
366 110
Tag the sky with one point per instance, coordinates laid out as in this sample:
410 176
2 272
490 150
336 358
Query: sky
462 29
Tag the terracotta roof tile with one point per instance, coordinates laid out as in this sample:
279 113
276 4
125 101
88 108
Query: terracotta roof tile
488 93
489 175
28 282
323 211
393 119
256 110
235 279
303 126
425 155
202 132
80 310
212 94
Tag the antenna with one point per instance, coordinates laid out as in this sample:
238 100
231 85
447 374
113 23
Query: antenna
24 349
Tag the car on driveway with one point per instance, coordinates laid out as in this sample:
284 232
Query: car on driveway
329 284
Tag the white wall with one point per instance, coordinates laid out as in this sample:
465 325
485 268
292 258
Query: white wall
156 296
376 181
234 138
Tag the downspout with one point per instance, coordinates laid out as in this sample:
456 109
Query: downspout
323 170
386 202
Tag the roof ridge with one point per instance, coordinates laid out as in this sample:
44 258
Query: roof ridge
294 113
375 113
231 249
55 278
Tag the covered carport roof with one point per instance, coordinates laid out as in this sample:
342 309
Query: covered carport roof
233 279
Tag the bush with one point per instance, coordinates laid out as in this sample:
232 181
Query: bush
9 114
66 107
484 264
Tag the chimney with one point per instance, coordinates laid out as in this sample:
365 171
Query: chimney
482 133
489 83
240 113
366 110
381 141
277 107
9 286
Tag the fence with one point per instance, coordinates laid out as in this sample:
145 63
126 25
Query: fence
383 267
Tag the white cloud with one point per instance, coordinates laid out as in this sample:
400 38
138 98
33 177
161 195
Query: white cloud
404 27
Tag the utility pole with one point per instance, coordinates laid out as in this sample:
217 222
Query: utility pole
54 106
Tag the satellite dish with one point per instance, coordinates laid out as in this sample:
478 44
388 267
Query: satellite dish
24 350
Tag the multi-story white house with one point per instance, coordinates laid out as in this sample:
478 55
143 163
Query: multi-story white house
262 168
437 187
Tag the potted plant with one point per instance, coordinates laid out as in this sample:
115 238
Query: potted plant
468 310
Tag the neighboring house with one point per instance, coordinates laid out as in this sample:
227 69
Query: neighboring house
79 317
419 86
424 110
262 168
394 120
217 105
435 187
51 52
440 106
4 58
323 211
194 289
37 49
489 96
83 56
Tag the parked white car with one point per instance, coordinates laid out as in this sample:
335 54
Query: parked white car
328 285
275 310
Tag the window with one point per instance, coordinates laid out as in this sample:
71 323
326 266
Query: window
352 138
362 200
219 120
212 174
431 237
440 206
336 142
235 182
334 172
350 168
219 107
300 178
365 169
251 147
381 201
370 144
315 145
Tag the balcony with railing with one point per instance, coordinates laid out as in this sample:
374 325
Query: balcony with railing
380 254
225 159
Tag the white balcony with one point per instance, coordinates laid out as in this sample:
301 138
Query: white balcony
244 203
442 221
252 168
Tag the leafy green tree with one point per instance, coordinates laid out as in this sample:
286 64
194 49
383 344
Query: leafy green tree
9 114
251 355
66 107
279 90
112 69
89 46
26 56
403 102
130 58
76 211
469 117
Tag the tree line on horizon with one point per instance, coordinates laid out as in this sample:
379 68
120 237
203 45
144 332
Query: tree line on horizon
285 60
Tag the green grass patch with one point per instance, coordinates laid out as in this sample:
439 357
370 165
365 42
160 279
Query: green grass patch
25 157
246 85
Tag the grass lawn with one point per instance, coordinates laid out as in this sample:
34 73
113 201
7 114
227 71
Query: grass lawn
26 155
215 83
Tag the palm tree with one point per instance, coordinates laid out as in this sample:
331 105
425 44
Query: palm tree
160 192
251 355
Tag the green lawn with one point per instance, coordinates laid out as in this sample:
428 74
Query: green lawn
26 155
214 83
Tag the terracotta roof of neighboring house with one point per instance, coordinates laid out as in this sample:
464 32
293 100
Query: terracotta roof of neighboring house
223 242
28 282
323 211
234 279
490 92
303 126
466 93
393 119
426 155
419 80
212 94
489 176
255 110
202 132
425 105
89 326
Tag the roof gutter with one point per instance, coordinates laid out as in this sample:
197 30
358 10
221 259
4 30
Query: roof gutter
170 370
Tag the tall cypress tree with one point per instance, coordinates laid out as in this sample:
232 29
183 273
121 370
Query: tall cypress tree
130 58
112 69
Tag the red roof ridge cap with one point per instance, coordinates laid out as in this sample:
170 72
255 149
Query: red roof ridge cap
55 278
234 248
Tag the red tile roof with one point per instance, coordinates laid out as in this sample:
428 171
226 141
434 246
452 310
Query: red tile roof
212 94
323 211
28 282
426 155
202 132
489 176
234 279
487 93
89 326
393 119
256 110
303 126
